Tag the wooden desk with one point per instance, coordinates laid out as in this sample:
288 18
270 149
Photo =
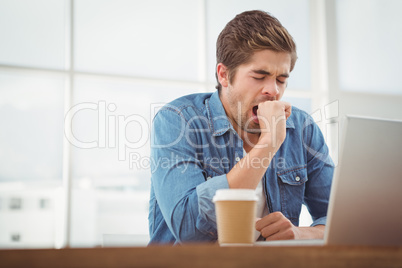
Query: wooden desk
192 256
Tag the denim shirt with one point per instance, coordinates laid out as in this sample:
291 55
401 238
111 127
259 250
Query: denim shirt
194 146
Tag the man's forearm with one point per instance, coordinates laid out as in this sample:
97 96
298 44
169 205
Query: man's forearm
315 232
248 172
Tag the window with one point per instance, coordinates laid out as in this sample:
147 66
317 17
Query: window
369 46
363 52
44 203
15 203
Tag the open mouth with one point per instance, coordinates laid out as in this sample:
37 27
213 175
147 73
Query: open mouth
255 117
255 108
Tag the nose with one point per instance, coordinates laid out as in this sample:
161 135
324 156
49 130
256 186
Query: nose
270 88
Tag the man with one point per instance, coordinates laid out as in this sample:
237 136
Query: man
242 136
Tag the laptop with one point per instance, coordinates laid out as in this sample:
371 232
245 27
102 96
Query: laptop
365 206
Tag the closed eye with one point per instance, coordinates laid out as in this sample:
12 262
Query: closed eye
280 82
259 78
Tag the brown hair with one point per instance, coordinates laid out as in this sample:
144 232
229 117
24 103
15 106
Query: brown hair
247 33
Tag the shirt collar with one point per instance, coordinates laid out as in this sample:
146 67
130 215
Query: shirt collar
218 120
217 116
289 122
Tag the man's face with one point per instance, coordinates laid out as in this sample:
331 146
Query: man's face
263 78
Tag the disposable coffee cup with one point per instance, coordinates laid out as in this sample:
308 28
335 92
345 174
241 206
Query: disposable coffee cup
235 214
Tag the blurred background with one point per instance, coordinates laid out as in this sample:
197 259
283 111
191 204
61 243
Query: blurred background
81 80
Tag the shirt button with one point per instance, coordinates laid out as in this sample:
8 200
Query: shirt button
297 178
237 159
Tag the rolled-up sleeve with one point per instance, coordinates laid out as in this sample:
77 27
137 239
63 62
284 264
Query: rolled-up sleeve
181 189
205 193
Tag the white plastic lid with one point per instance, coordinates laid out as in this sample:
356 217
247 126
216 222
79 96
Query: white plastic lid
235 194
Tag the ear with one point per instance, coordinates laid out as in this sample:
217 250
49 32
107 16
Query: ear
223 74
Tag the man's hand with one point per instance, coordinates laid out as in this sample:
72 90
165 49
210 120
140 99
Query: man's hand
275 226
272 117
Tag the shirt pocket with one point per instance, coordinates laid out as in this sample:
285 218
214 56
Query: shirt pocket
292 184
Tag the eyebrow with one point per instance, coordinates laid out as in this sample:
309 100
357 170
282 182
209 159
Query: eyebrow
286 75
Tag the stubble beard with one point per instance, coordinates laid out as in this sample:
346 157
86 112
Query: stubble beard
245 123
240 118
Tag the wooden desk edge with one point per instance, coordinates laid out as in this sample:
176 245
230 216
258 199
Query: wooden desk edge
205 255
